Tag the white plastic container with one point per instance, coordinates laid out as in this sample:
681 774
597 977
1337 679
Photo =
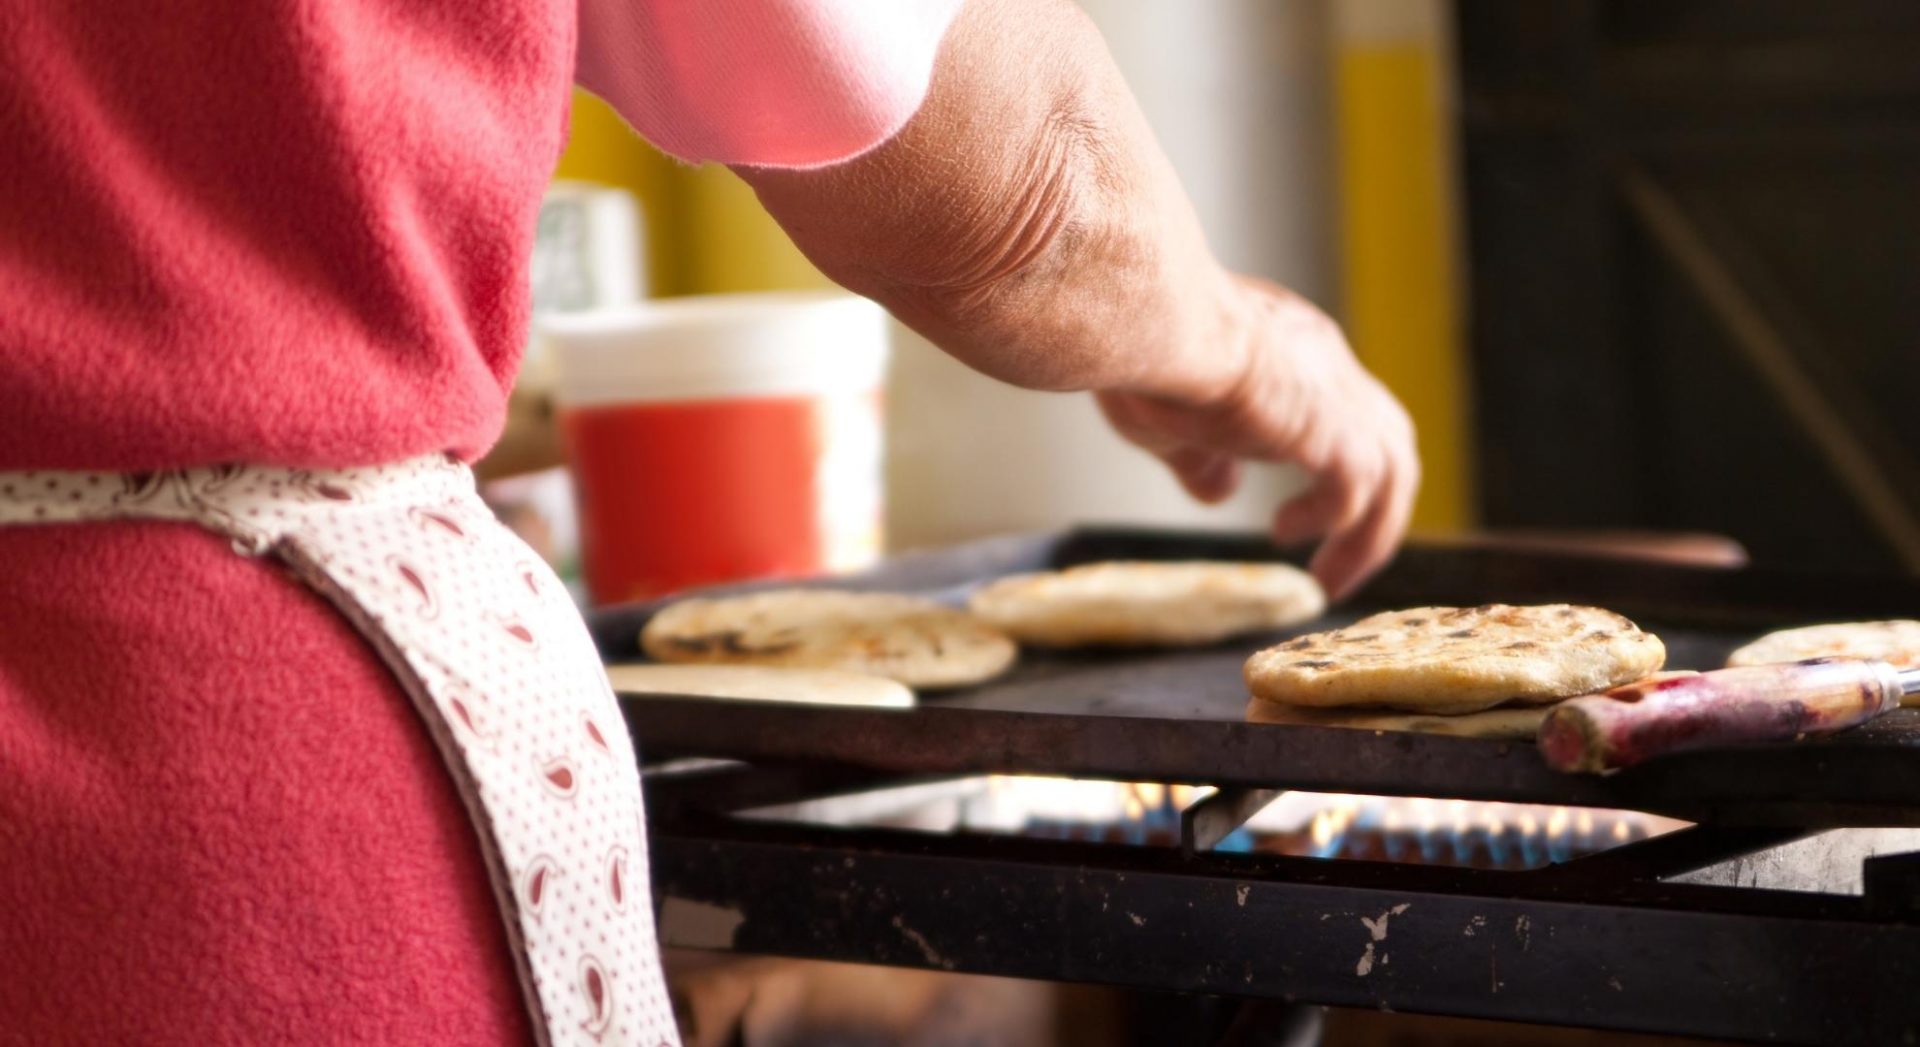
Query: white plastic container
722 437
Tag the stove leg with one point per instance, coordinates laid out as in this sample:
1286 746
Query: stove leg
1892 884
1209 820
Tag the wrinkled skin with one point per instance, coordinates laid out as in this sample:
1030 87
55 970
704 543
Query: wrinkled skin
1025 221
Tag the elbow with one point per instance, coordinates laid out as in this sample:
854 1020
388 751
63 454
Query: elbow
1003 274
1027 227
989 220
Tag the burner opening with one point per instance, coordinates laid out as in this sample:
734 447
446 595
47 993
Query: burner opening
1332 826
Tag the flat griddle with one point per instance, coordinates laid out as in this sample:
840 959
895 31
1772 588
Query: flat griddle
1180 716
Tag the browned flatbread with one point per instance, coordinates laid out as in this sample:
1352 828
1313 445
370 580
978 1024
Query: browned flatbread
1457 659
915 641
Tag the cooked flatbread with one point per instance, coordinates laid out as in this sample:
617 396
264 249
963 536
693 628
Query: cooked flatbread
761 683
917 642
1140 604
1897 642
1457 659
1504 722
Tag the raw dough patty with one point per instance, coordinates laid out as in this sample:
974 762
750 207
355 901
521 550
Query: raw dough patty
917 642
1508 722
1124 604
762 683
1897 642
1458 659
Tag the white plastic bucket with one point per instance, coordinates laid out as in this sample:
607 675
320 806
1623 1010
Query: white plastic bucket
722 437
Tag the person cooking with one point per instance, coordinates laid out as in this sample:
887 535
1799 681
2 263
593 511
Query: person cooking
296 743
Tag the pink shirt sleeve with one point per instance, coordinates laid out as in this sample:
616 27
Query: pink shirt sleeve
778 83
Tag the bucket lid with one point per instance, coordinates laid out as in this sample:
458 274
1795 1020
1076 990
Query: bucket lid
718 347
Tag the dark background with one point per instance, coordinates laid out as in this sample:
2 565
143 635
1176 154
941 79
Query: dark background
1694 246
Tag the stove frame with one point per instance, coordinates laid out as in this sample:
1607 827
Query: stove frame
1608 940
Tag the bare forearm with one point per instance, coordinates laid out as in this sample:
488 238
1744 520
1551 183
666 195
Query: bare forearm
1024 220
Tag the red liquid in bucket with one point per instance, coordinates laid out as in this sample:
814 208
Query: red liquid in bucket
676 495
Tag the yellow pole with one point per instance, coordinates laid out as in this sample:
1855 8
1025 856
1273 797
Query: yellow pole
1398 234
705 232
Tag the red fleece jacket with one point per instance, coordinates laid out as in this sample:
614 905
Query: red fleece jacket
295 232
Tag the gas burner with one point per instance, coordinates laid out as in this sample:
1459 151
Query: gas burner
1344 826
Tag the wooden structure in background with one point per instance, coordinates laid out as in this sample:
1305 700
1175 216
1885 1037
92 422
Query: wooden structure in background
1694 236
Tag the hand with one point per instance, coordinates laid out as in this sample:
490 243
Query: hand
1300 397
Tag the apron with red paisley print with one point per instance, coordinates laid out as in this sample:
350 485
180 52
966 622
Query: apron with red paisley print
488 645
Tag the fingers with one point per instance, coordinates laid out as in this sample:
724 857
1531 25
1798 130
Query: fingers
1306 400
1360 504
1352 553
1208 476
1309 514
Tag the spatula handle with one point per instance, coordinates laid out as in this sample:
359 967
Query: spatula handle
1758 703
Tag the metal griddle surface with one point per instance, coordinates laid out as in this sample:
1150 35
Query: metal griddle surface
1180 716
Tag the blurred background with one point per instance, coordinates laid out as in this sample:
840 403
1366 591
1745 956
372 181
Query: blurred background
1632 266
